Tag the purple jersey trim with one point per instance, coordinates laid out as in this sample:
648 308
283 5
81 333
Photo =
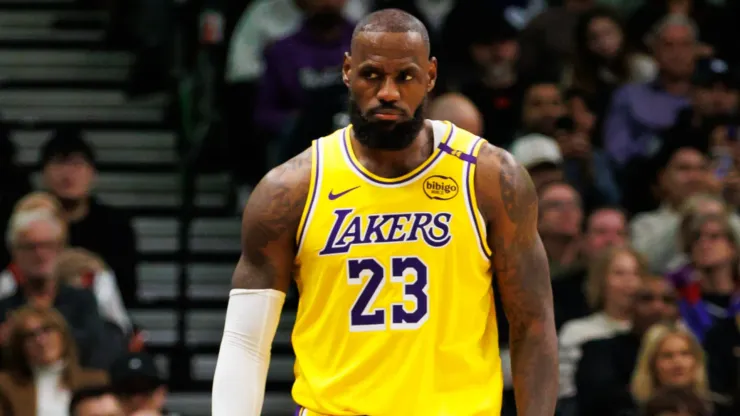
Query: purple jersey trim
392 181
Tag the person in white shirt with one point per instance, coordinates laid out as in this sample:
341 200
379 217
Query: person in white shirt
613 279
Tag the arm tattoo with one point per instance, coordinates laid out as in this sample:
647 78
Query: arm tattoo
509 202
269 224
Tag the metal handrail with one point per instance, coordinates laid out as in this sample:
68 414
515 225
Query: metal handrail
194 90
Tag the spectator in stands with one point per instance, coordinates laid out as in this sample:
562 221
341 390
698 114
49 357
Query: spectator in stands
459 110
75 267
707 16
605 369
42 368
677 402
586 168
640 111
81 268
722 345
669 356
36 238
40 200
546 114
713 105
560 222
95 401
708 284
614 277
138 384
548 41
69 172
700 205
542 158
683 171
31 201
603 60
308 60
485 69
263 23
545 161
543 106
605 227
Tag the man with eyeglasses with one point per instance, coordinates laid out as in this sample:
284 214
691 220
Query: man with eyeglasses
35 239
559 224
606 366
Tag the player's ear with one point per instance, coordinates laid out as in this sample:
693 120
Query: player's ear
346 68
432 74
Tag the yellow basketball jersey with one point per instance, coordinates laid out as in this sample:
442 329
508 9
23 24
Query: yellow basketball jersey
396 313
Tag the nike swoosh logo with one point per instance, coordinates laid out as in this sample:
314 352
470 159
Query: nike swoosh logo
333 196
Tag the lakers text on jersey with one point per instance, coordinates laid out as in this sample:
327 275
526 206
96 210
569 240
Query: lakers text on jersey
396 314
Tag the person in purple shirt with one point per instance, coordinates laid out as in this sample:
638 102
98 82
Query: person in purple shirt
639 112
308 60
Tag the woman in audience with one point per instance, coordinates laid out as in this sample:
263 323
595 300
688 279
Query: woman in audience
670 357
612 281
707 284
602 60
672 253
42 368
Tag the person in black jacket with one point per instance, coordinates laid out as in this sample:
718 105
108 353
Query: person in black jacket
69 172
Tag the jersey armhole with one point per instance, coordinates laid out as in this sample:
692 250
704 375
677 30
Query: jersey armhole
478 220
313 190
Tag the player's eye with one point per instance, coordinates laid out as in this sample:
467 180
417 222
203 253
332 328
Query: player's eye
370 75
405 76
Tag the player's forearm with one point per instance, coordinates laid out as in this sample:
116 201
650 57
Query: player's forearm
534 357
241 371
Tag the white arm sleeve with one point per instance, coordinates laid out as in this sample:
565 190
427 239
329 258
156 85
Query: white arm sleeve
241 370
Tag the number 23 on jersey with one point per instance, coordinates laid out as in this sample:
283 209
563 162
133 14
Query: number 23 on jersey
409 314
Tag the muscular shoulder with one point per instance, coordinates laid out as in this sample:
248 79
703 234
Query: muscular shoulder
292 176
503 187
276 204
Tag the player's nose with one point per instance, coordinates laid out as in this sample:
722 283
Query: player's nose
389 91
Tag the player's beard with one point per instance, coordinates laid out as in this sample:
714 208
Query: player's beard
386 135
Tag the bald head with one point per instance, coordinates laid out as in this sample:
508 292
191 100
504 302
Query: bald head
459 110
391 21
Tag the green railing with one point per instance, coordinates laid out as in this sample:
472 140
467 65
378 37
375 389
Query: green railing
194 89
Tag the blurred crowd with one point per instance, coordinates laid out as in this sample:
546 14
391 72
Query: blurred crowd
67 264
624 112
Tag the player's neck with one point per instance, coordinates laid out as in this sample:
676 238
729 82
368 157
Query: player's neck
394 163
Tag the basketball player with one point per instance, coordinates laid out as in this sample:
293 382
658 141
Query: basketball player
392 228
